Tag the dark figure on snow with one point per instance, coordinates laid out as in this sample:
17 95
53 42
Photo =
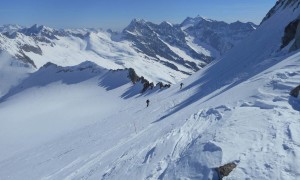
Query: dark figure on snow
147 102
181 84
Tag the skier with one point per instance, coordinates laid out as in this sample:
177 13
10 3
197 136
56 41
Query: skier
147 102
181 84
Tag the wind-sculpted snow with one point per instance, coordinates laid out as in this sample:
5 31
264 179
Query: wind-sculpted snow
103 136
81 125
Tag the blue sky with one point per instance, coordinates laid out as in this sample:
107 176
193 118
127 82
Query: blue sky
116 14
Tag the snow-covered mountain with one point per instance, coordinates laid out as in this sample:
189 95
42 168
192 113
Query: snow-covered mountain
218 35
10 28
86 122
143 46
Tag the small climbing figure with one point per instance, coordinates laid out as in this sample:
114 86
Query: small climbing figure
147 102
181 84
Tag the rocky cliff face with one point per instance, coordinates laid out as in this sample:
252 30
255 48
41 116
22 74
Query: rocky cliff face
219 35
291 37
157 41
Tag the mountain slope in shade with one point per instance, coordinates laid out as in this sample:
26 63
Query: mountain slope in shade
218 35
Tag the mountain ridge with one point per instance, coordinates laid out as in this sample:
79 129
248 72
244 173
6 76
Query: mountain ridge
140 42
237 110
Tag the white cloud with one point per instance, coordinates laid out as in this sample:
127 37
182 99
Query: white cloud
11 72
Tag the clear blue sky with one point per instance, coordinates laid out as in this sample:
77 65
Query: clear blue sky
117 14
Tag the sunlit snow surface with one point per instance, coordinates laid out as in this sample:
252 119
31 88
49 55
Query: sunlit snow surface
85 124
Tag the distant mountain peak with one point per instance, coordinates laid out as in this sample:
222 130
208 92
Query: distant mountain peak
203 18
36 30
136 25
10 28
139 21
189 21
39 28
166 23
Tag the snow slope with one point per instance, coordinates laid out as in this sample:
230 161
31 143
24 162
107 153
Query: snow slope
237 109
96 47
82 134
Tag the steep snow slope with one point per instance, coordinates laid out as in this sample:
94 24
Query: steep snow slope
236 110
256 128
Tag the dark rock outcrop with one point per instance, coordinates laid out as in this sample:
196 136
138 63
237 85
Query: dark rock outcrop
146 84
296 44
132 75
290 33
225 170
25 59
295 92
29 48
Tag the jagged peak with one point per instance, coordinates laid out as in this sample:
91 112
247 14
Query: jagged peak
196 20
281 5
203 18
166 23
37 30
244 24
136 24
41 28
139 21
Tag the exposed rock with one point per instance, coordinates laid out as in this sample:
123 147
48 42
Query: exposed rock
10 35
217 34
132 75
29 48
48 64
290 33
160 84
296 44
272 11
146 84
281 4
151 39
225 170
295 92
25 59
40 31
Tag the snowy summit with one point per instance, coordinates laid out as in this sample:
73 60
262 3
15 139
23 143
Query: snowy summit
203 99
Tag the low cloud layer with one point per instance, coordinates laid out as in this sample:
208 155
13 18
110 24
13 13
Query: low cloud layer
11 72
